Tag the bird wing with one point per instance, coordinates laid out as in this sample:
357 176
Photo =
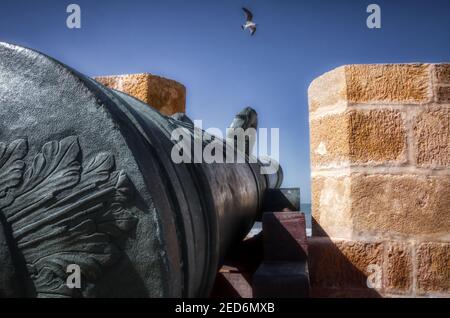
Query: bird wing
248 14
252 30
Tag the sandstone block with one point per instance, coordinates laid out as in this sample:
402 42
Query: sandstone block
329 139
376 135
442 73
398 268
343 263
359 205
443 94
433 267
372 84
356 136
388 83
331 207
400 205
328 90
167 96
432 138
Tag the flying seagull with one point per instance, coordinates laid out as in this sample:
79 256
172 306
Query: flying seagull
249 24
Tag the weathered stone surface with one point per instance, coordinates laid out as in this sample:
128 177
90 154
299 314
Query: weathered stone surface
376 135
432 138
369 179
328 90
443 94
407 204
345 264
442 73
167 96
388 83
373 136
329 139
381 204
398 268
377 83
331 207
342 268
433 261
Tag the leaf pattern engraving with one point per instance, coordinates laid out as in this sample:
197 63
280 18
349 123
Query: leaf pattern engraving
11 168
62 213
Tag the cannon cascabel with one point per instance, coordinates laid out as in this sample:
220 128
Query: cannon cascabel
86 179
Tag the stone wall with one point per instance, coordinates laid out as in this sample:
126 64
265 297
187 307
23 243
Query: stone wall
167 96
380 156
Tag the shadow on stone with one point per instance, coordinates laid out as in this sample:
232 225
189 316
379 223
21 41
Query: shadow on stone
332 273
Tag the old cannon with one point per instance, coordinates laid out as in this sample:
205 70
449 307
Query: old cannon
87 179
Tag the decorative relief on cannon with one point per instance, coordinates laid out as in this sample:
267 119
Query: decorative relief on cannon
161 230
62 210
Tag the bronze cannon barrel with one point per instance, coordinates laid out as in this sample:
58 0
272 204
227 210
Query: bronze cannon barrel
87 179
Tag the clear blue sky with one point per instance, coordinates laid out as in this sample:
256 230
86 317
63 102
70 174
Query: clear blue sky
200 44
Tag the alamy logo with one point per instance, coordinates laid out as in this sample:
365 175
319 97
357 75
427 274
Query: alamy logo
74 19
74 278
374 279
374 19
209 147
